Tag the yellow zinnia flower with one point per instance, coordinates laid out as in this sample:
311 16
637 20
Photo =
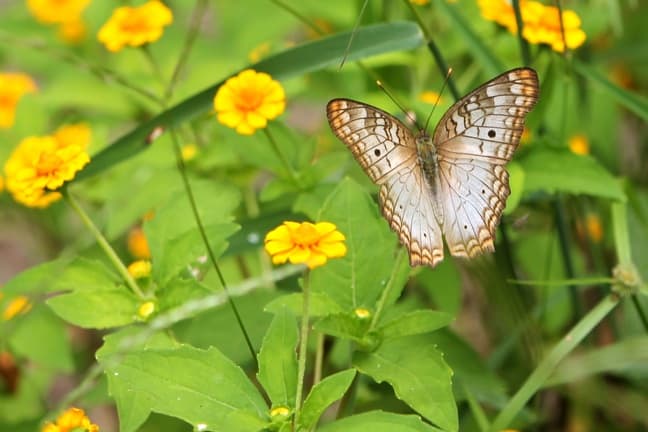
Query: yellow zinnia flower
135 26
146 309
541 23
70 420
579 144
57 11
40 165
430 97
140 269
17 306
312 244
247 101
137 244
12 87
73 31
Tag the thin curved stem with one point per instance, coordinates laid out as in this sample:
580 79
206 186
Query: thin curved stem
203 235
103 243
546 367
303 346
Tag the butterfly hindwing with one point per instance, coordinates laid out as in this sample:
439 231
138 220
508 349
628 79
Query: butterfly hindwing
386 149
473 140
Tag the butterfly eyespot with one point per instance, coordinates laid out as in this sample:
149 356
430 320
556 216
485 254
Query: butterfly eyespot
483 191
491 133
377 152
465 226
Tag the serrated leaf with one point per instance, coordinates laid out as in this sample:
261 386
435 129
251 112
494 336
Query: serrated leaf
202 387
100 308
418 374
96 297
323 394
416 322
278 360
173 236
319 304
350 281
343 326
557 170
379 421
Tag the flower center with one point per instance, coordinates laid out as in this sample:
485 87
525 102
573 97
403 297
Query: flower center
48 163
306 235
135 23
249 99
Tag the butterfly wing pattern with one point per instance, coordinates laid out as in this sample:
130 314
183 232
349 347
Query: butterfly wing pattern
464 195
474 140
386 150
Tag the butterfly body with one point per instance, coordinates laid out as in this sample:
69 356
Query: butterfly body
453 184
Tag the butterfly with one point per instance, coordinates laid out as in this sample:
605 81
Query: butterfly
453 184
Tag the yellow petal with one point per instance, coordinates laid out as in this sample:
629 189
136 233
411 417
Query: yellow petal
316 260
333 250
299 255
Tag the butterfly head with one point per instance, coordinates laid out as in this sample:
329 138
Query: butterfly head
424 141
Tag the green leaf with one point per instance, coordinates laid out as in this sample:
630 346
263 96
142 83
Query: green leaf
323 394
343 326
349 281
368 41
173 236
379 421
96 297
42 337
202 387
37 279
319 304
278 360
419 375
558 170
516 181
623 356
416 322
633 101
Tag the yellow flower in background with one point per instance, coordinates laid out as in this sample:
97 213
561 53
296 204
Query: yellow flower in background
13 86
135 26
71 420
73 31
146 309
248 100
420 2
137 244
40 165
18 306
594 227
188 152
526 136
1 183
362 313
430 97
311 244
579 144
541 23
140 269
57 11
259 52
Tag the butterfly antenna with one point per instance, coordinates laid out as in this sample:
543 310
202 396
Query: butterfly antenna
443 86
398 104
355 29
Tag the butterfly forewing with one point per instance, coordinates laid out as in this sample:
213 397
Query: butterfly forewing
386 149
474 140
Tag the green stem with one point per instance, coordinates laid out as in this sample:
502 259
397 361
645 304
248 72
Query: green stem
436 53
319 359
155 66
478 413
524 45
103 243
280 155
203 235
380 304
546 367
563 240
194 29
303 345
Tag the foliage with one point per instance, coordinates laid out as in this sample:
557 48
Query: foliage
213 337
